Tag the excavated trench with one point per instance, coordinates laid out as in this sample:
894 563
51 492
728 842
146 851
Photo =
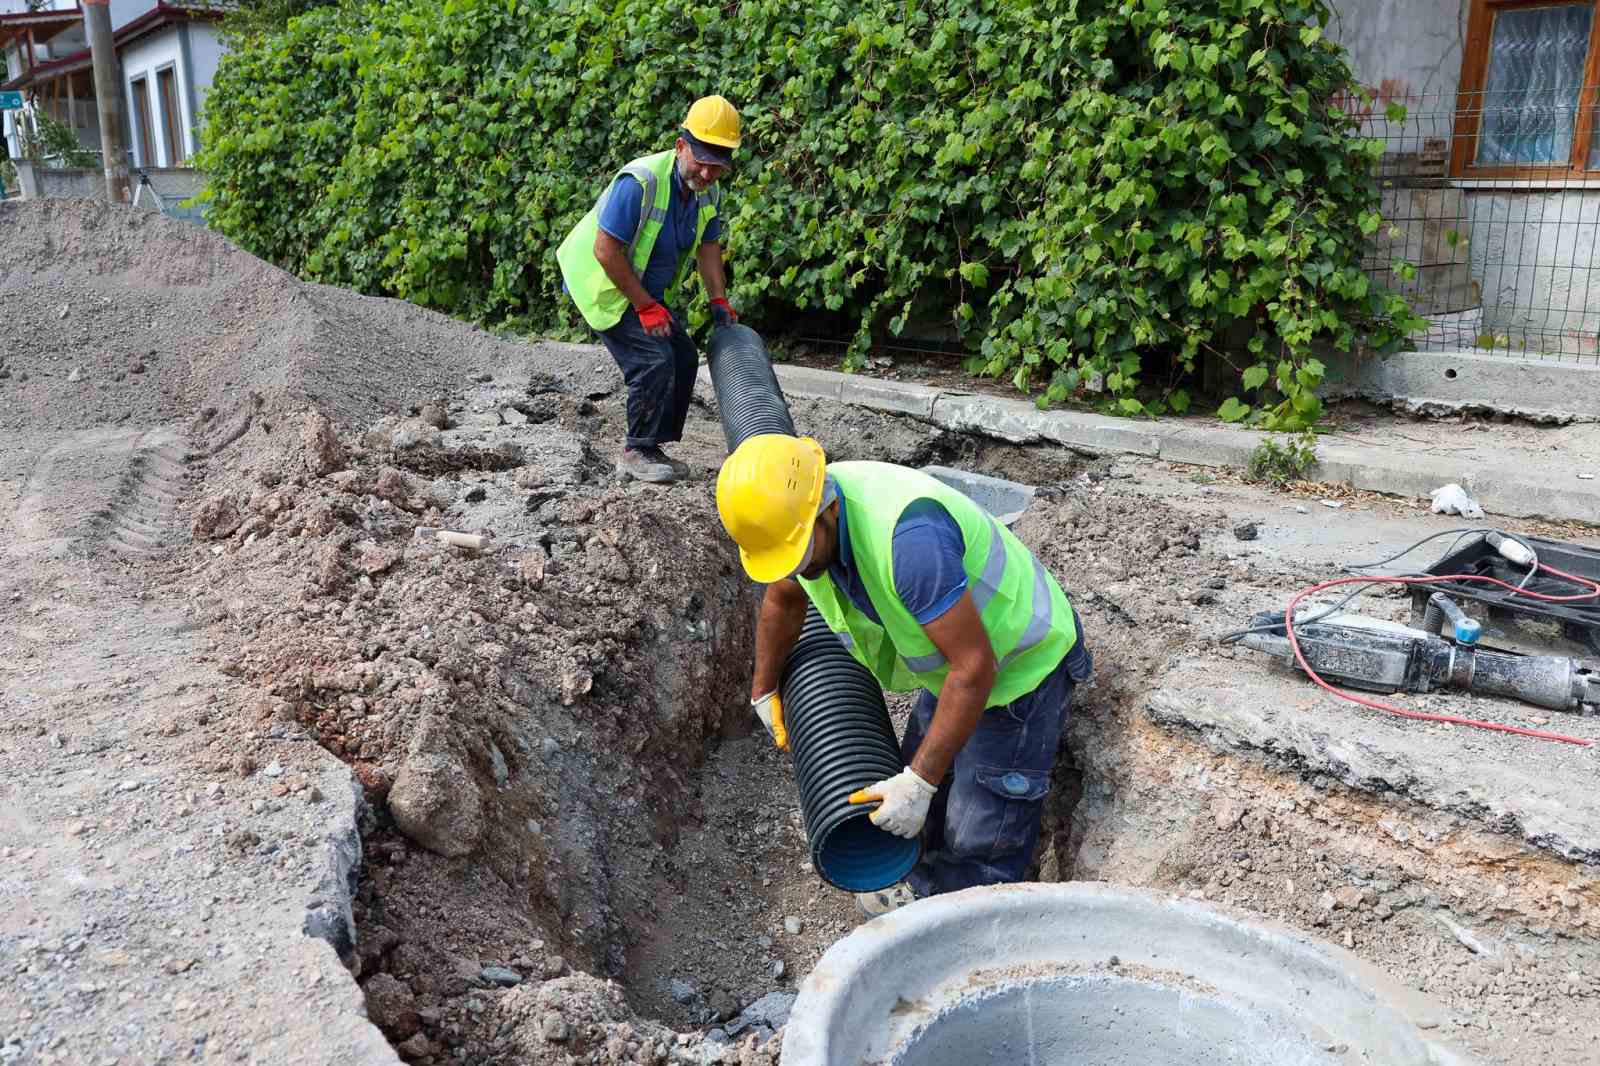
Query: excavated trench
680 891
637 866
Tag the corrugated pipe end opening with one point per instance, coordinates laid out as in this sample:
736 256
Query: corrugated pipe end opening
857 856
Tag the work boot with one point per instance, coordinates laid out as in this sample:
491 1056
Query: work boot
681 467
873 904
647 464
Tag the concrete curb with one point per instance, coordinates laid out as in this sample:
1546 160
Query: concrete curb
1438 383
1502 488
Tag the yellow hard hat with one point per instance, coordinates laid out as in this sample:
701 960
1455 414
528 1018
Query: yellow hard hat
713 120
767 494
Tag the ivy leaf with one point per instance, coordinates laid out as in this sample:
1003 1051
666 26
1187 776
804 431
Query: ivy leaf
1256 376
1232 410
1179 400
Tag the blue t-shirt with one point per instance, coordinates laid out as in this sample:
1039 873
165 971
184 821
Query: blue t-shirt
619 216
929 575
928 572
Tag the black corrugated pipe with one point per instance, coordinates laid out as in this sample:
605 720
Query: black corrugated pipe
748 396
840 736
842 740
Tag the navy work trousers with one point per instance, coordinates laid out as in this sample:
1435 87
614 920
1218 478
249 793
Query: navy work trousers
659 372
983 824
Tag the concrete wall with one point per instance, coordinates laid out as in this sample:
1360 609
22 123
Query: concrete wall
206 50
40 183
174 186
1407 51
145 59
1439 384
1535 256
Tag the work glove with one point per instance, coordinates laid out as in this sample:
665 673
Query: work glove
769 709
656 320
902 802
722 312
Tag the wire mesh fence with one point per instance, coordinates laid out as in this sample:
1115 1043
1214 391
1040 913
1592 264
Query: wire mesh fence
1492 218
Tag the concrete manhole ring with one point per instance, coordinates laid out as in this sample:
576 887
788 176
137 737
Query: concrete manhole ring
1087 973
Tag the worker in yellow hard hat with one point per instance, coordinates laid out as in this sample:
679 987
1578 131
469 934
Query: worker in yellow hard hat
619 261
929 592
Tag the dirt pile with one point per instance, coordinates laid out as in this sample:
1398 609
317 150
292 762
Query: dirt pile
116 316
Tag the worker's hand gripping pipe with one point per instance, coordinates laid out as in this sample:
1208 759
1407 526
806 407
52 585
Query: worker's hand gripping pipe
838 727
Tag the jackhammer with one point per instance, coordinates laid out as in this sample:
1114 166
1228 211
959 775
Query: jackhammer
1384 658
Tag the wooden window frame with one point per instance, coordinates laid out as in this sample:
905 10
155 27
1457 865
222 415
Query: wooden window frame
1474 77
172 125
143 119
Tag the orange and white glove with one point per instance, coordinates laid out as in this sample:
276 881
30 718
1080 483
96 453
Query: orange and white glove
902 802
769 709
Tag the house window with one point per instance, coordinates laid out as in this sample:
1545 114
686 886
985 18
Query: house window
141 122
1527 100
171 116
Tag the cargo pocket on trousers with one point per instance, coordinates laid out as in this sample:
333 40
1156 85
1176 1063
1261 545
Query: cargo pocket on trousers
1017 795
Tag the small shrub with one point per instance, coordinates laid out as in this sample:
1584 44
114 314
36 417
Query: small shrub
54 143
1278 461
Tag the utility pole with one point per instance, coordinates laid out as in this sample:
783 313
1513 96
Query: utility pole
108 97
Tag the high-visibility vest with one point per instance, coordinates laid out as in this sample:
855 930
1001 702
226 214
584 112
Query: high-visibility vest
1025 613
601 302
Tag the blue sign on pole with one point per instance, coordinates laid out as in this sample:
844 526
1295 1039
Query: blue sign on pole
10 101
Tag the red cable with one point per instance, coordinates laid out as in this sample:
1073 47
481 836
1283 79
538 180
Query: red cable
1379 705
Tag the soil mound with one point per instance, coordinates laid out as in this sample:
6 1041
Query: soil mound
117 316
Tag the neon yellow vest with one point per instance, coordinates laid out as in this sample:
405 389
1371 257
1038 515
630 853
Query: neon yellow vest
1024 611
602 303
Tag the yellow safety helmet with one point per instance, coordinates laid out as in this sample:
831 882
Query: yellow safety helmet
713 120
768 492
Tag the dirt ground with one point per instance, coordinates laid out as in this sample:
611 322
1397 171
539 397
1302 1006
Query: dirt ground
514 794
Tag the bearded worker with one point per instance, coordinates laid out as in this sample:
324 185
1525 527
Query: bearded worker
659 213
929 593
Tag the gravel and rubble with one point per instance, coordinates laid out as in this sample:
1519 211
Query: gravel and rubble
513 792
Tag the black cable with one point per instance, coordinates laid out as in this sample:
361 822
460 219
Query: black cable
1238 635
1407 551
1461 534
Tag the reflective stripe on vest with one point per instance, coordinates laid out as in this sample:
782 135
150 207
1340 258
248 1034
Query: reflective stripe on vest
994 568
1024 612
648 211
1039 623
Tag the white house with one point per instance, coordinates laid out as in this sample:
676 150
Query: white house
167 54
